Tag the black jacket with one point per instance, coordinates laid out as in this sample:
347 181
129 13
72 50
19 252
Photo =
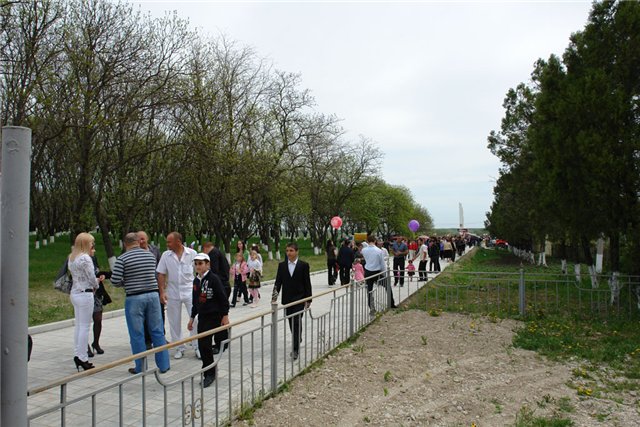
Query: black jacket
294 287
345 256
220 266
434 250
209 296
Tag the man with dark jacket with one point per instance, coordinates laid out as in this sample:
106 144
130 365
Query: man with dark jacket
434 255
294 279
345 261
220 266
211 305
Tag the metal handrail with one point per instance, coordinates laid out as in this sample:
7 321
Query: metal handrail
126 360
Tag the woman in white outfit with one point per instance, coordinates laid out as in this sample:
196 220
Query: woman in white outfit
85 284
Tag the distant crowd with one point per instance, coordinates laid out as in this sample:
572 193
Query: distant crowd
348 259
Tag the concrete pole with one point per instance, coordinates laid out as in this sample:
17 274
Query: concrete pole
14 275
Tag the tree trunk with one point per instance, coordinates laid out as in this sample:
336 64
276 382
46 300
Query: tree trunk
614 251
586 249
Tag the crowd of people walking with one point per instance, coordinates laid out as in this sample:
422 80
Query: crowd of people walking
349 259
179 278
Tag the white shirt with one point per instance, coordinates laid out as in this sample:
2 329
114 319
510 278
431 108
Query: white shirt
256 264
422 252
292 266
374 258
179 272
83 274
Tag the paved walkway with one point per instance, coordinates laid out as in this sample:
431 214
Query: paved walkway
52 357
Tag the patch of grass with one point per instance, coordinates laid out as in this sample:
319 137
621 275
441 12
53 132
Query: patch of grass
424 340
545 401
385 391
358 348
246 412
387 376
581 372
497 405
612 342
565 405
601 417
526 418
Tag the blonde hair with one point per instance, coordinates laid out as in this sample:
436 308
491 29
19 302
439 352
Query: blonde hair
82 245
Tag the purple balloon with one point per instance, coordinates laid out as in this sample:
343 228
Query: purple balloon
414 225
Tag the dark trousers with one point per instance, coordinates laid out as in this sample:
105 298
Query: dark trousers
434 264
147 334
207 322
422 269
295 324
345 275
398 270
370 280
240 288
224 335
332 273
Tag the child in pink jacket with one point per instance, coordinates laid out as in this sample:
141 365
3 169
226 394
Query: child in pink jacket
358 270
239 271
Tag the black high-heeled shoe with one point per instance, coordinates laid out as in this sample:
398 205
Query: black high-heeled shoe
89 352
96 347
85 365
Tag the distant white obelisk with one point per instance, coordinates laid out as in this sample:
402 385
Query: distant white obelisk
461 212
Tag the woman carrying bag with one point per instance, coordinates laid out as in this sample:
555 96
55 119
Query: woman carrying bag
84 285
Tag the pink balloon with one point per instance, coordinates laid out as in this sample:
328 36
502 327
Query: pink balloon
414 225
336 222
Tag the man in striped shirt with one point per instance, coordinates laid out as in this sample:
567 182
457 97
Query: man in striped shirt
135 270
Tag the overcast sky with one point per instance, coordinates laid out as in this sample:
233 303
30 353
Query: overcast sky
424 80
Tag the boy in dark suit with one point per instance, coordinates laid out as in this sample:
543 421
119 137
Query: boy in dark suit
211 305
295 281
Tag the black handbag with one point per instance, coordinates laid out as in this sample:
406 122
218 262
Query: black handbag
63 281
106 298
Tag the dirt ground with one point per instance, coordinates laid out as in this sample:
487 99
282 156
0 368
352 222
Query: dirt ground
412 369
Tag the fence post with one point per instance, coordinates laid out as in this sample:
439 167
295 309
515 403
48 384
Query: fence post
387 283
274 347
352 309
521 294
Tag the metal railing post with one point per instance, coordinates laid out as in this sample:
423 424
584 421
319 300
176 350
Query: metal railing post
14 276
521 295
352 310
274 346
387 284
